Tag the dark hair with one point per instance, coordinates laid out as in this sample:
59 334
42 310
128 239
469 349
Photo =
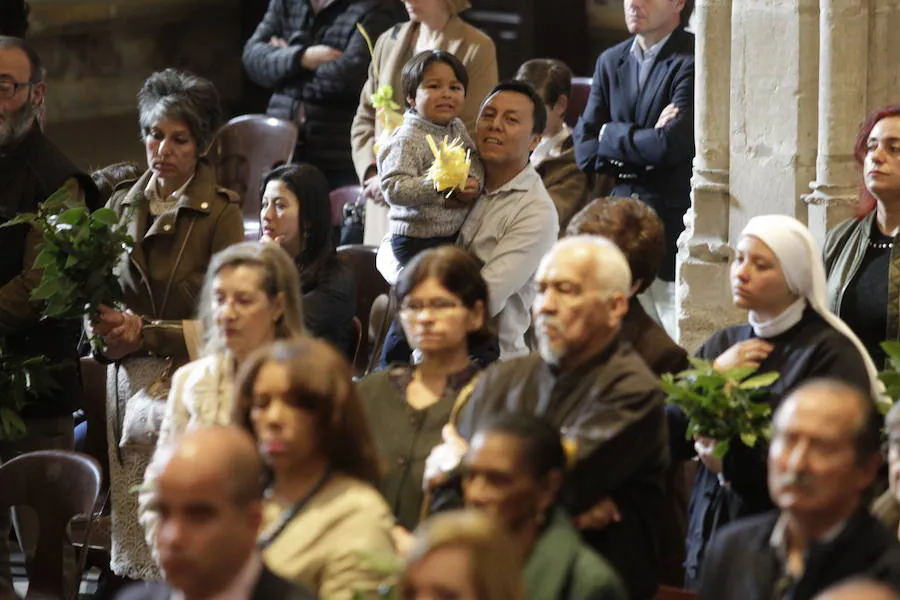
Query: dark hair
539 116
686 12
110 176
14 17
414 71
181 95
861 148
542 448
321 383
311 188
457 271
630 224
38 73
552 78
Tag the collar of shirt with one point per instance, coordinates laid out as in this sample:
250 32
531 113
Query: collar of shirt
402 375
520 183
319 5
550 147
650 53
779 543
151 192
241 587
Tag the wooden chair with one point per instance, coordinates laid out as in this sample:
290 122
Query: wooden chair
245 149
369 285
581 89
58 486
670 593
340 197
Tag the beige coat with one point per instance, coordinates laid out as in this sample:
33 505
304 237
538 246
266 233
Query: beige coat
331 545
393 48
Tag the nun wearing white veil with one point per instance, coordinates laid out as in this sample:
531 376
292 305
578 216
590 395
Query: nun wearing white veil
778 277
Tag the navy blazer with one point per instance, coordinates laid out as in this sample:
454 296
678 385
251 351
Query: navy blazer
269 586
659 159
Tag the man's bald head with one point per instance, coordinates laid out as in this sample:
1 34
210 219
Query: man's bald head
208 496
859 589
213 453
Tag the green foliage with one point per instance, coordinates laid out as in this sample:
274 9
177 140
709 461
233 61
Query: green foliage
78 256
21 380
722 405
890 377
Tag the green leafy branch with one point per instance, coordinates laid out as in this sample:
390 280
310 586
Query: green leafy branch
721 405
890 377
22 379
79 254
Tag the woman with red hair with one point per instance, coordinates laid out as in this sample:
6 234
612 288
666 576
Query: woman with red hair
862 264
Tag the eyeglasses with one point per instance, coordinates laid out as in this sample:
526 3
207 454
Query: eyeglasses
438 307
9 88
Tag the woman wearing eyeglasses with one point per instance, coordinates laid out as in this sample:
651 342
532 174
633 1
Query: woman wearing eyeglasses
443 300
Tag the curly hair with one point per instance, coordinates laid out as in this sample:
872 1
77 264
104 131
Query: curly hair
630 224
181 95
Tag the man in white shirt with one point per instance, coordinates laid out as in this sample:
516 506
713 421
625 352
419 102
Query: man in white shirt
209 499
514 222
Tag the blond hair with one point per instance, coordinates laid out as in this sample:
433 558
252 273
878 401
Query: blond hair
495 564
279 276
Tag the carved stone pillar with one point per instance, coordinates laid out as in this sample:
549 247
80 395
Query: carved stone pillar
702 270
843 61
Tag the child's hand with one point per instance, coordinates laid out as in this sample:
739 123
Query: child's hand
470 192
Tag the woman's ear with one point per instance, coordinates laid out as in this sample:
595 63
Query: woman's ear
411 102
477 317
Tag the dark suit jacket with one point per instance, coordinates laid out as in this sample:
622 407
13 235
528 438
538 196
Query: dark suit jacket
269 587
652 342
654 164
741 564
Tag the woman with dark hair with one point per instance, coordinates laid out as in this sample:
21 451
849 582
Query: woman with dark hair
296 214
859 257
323 522
443 301
178 217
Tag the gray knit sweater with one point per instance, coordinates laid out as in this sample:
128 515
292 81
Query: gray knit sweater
417 210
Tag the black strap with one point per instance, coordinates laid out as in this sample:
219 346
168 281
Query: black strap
288 515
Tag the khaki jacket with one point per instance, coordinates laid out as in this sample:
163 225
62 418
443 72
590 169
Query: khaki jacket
164 272
392 50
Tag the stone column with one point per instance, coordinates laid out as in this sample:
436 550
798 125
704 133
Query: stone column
702 271
843 65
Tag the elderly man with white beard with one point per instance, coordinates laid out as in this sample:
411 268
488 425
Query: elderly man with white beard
32 168
600 394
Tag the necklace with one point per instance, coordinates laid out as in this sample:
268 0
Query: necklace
881 245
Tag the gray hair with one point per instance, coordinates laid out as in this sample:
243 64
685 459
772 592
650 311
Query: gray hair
613 272
279 276
38 73
181 95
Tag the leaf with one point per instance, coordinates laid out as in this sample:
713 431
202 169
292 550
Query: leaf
892 349
759 381
70 216
46 258
721 449
47 288
105 216
749 439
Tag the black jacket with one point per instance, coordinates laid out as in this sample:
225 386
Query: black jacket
612 409
30 171
653 163
743 565
330 94
809 349
269 586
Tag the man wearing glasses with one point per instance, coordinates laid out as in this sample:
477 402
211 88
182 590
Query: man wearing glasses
31 169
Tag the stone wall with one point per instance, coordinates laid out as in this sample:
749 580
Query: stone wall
98 52
782 86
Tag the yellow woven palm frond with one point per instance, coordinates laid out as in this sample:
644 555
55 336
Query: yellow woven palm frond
450 169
